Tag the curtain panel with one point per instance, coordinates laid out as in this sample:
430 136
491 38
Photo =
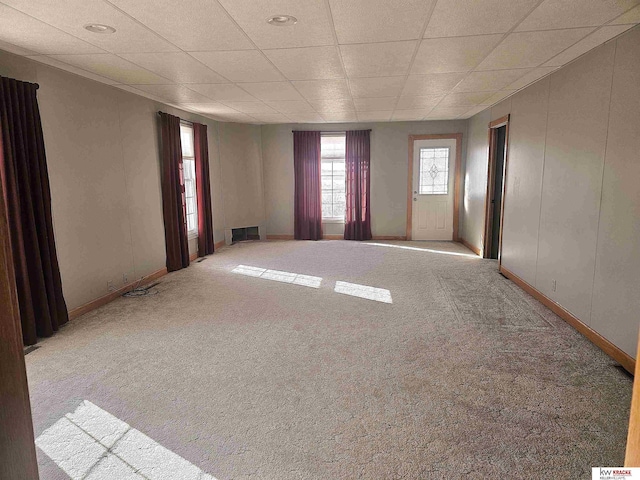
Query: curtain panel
203 189
27 196
358 172
173 195
308 190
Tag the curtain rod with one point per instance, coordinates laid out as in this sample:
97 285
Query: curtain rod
21 81
333 131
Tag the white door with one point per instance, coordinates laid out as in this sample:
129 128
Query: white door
433 174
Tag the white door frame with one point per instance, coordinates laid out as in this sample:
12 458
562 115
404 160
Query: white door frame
456 180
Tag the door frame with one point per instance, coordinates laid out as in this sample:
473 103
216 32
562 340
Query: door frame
456 179
17 447
491 167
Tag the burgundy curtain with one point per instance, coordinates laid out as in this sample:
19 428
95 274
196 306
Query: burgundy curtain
203 189
173 201
307 196
357 163
25 181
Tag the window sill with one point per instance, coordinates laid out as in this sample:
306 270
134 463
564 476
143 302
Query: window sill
333 220
192 235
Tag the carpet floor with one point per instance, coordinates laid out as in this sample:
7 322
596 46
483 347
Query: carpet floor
463 375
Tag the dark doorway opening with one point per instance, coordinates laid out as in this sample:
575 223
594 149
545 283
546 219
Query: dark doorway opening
498 146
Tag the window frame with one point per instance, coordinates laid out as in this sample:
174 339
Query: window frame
191 234
335 220
446 185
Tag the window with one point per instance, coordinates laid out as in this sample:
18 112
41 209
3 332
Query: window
332 150
434 171
189 178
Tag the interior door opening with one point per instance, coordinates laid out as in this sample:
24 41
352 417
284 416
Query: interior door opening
498 146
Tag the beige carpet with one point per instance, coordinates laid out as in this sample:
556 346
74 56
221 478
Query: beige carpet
462 376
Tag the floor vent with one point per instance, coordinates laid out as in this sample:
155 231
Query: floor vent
622 369
30 348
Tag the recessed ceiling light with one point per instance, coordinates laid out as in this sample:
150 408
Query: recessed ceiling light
282 20
99 28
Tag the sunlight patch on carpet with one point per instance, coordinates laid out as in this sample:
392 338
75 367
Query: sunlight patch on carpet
92 444
278 276
428 250
363 291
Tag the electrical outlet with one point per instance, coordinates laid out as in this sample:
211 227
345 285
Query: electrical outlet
110 286
553 285
124 279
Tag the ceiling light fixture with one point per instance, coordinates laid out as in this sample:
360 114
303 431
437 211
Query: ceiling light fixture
282 20
99 28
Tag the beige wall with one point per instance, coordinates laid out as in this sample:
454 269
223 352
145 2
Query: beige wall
102 147
389 163
475 179
241 164
572 204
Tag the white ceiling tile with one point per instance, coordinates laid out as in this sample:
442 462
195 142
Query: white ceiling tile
497 97
313 27
235 118
209 108
473 111
373 116
630 17
305 117
327 89
240 65
446 113
271 118
377 86
583 46
113 67
454 54
422 85
554 14
177 66
272 91
310 63
250 107
532 76
418 103
291 106
377 59
69 68
72 15
454 18
530 49
490 80
174 93
340 116
464 99
365 21
226 91
199 24
323 105
375 104
410 115
26 32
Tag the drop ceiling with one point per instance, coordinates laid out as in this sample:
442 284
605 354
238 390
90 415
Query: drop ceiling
344 60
